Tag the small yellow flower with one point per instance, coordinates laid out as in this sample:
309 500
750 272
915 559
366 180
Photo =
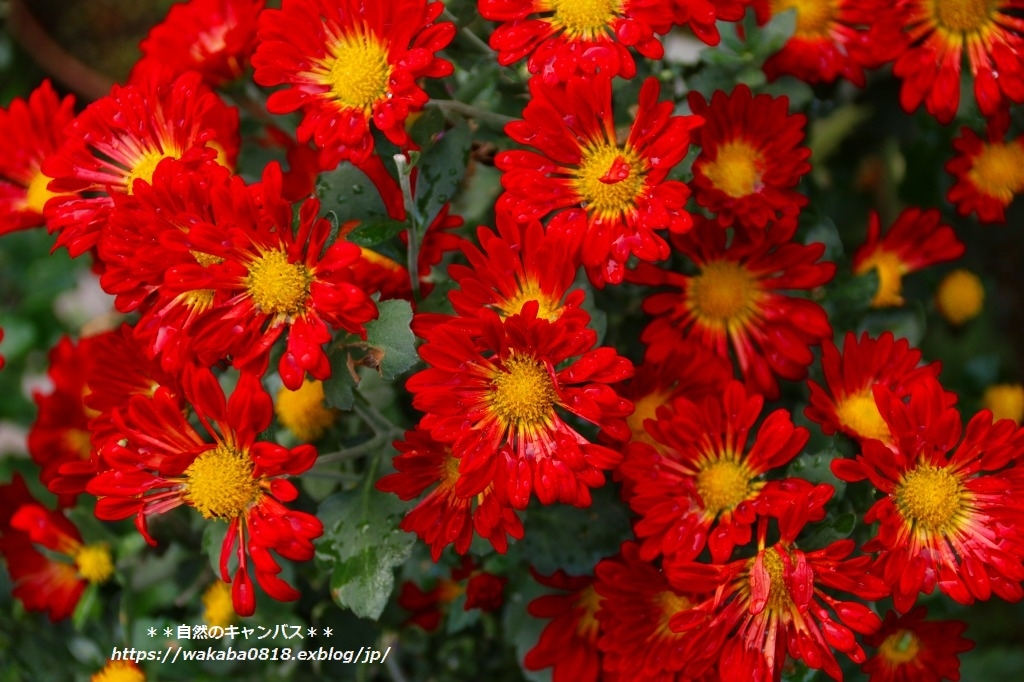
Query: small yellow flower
1006 401
303 412
960 296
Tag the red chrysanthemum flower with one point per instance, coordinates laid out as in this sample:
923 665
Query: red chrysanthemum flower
214 37
60 434
951 512
750 157
916 240
30 131
568 644
568 37
42 581
701 487
121 138
849 403
267 278
913 650
350 62
443 517
637 604
701 15
143 240
483 591
774 604
930 38
515 266
831 41
692 371
160 461
614 195
735 300
989 173
497 397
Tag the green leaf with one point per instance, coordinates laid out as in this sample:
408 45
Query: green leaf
361 546
834 527
442 165
373 232
391 334
905 323
349 194
458 617
572 539
770 38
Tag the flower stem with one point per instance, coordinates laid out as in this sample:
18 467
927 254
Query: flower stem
413 251
470 111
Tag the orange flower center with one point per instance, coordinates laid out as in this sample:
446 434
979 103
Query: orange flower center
94 563
609 179
963 16
998 171
278 286
220 483
900 647
37 194
814 18
303 411
723 484
358 70
960 296
119 671
582 19
522 394
859 413
724 294
736 169
548 308
930 497
778 593
890 271
645 408
145 167
218 608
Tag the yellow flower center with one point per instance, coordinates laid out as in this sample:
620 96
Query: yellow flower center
814 18
78 440
522 394
359 71
119 671
778 593
582 19
645 408
724 294
589 601
736 169
960 296
94 562
303 411
277 286
890 271
37 194
723 484
548 308
145 167
1006 401
963 16
900 647
930 497
220 483
671 604
609 180
859 413
998 171
218 608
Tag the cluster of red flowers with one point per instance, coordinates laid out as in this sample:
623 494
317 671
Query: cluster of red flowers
518 398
